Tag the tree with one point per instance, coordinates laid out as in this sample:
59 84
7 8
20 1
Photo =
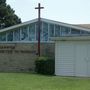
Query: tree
7 15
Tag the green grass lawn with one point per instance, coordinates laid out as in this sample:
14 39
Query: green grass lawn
27 81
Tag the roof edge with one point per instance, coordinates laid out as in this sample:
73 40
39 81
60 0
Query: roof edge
19 25
71 38
45 20
66 24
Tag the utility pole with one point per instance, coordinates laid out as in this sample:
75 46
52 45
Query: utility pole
39 25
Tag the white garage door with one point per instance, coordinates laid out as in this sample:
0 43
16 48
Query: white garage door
81 59
72 58
64 59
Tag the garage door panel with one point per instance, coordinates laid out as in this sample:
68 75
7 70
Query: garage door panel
64 59
81 55
88 60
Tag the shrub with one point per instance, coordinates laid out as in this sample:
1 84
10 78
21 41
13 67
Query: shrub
45 65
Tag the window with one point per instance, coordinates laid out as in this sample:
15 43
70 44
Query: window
32 32
16 35
10 36
3 36
51 30
45 31
82 32
75 31
57 30
88 32
24 33
65 31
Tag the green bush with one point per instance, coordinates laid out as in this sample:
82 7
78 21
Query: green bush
45 65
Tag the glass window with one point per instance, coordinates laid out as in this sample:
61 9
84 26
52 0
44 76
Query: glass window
57 30
82 32
24 33
45 31
32 32
75 31
10 36
88 32
3 36
65 31
16 35
51 30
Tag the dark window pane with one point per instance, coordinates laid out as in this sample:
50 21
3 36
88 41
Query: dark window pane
10 36
57 30
24 33
82 32
2 36
32 32
75 31
16 35
51 30
88 32
65 31
45 31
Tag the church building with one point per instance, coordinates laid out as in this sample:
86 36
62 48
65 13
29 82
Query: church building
18 43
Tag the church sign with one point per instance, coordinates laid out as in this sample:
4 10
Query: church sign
17 57
12 49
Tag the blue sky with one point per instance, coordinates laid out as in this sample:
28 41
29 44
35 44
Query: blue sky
68 11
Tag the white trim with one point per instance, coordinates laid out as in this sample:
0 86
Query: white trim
70 31
65 24
12 42
20 34
19 25
13 35
48 32
54 30
60 31
80 32
71 38
28 32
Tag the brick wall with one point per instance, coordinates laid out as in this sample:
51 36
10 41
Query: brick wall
21 56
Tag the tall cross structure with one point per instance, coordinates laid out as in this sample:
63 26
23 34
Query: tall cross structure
39 26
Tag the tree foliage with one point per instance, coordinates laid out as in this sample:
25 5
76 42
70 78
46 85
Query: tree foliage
7 15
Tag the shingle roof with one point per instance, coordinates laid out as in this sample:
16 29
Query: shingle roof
84 25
